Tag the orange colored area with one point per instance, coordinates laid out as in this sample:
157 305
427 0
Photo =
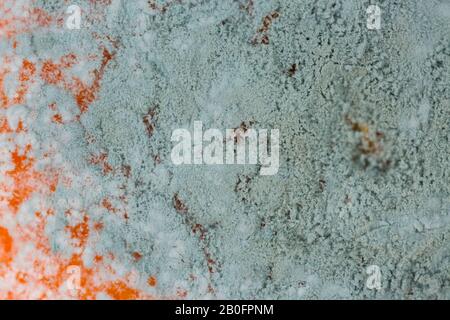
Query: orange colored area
84 94
80 232
25 180
12 24
51 73
57 118
5 128
45 275
5 245
25 74
30 268
3 96
118 290
21 176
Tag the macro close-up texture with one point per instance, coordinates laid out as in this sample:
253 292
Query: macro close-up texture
92 205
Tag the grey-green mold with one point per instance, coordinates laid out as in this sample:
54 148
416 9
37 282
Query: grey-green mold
364 159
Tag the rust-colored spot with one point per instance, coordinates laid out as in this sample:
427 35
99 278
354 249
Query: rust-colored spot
106 203
152 282
98 226
370 143
3 97
27 71
84 94
57 118
41 17
182 293
51 73
68 60
4 126
137 256
102 160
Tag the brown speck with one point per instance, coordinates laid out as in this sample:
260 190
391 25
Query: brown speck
242 129
209 261
102 160
265 39
347 199
126 171
360 127
137 256
322 184
150 120
161 8
152 281
98 226
369 144
292 70
263 223
248 7
198 228
178 204
262 36
182 293
192 277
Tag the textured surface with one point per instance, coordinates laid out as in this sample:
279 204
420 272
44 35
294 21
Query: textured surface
86 118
